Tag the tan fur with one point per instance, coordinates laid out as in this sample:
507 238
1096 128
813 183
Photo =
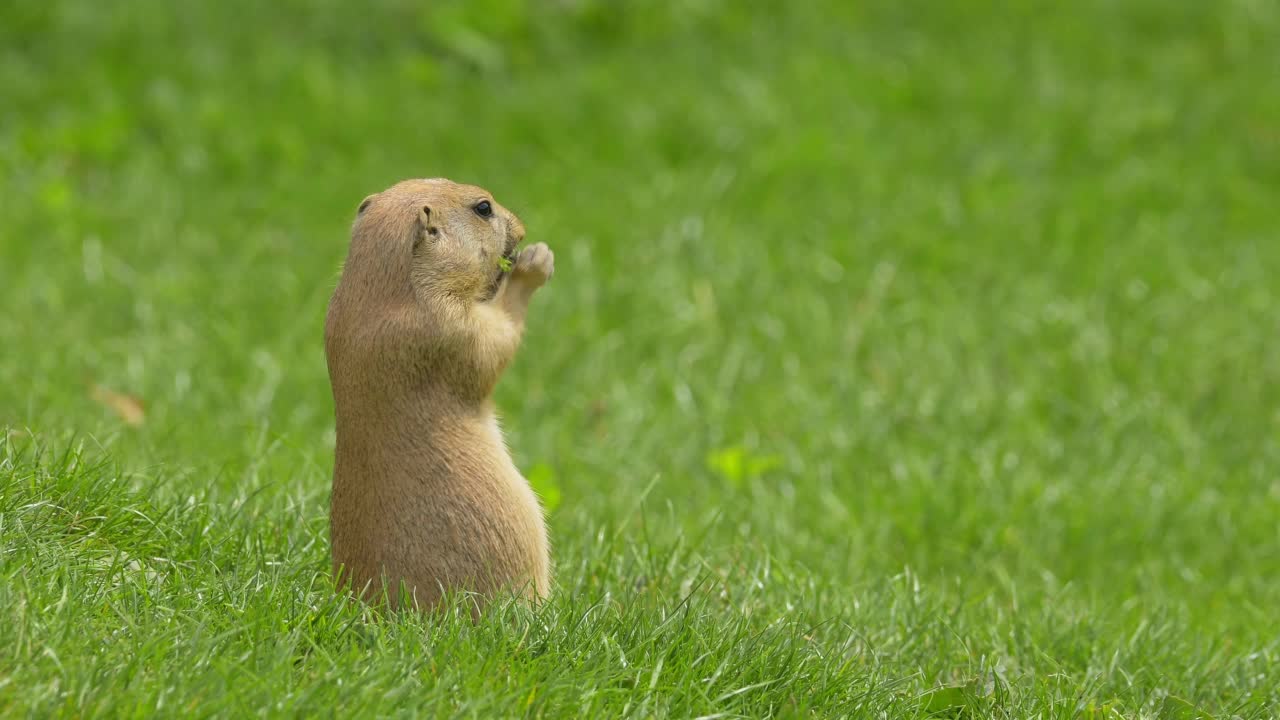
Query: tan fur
420 327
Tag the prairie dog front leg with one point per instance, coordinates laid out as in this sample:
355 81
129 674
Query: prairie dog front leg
533 268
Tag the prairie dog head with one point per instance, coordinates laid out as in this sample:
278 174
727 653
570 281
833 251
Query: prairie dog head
416 247
432 237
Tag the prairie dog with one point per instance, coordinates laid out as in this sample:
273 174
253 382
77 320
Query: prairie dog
428 312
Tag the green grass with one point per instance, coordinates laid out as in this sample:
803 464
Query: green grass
892 346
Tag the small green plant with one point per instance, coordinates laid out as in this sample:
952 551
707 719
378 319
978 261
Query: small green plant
736 464
542 477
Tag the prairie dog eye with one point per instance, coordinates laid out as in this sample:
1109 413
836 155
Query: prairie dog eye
484 209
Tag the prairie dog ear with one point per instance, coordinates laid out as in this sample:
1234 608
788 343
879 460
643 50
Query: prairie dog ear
425 225
364 204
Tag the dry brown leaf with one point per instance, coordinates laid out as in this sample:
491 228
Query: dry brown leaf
128 407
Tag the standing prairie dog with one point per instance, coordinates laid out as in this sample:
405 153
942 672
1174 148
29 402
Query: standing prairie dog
428 312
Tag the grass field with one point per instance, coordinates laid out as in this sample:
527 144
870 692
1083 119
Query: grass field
900 358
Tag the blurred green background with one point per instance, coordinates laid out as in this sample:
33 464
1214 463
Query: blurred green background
948 328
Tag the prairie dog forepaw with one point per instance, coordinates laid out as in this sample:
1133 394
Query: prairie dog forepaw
535 265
